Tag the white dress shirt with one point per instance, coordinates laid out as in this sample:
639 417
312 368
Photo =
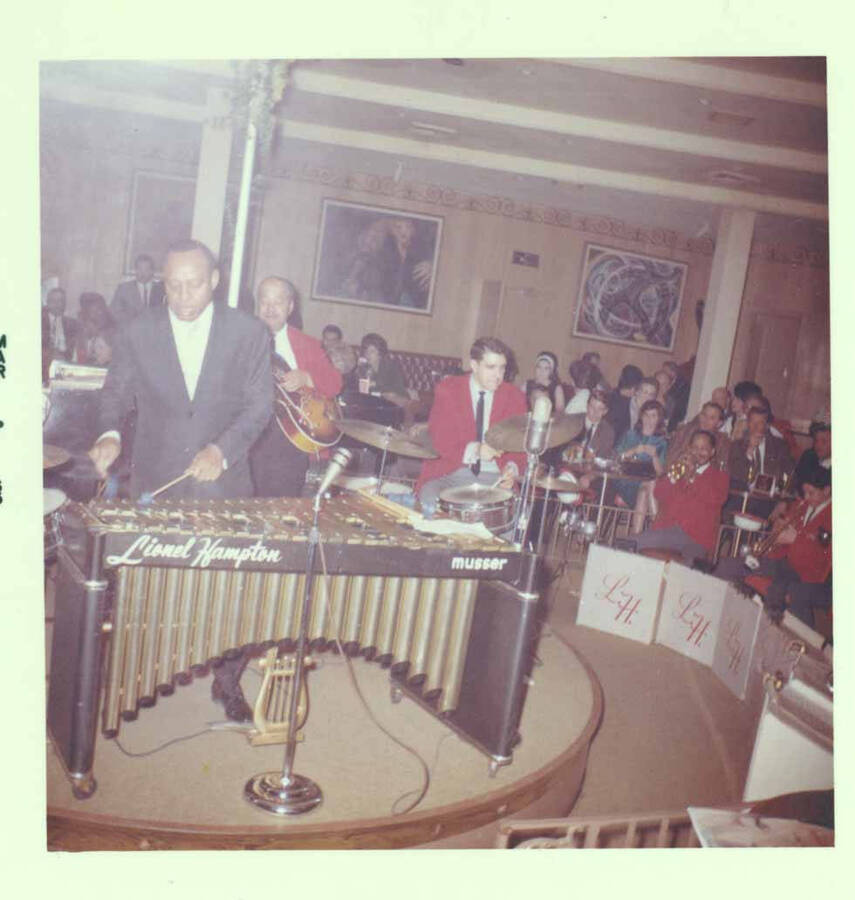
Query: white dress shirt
57 333
284 348
191 341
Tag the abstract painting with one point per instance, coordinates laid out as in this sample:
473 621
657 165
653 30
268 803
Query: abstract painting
629 298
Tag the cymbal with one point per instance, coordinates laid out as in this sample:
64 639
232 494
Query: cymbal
54 456
509 434
553 483
384 437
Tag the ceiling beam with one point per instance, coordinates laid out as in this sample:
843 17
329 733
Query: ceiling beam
565 172
710 76
312 81
69 92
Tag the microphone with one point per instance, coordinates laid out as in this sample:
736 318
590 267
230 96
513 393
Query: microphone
340 459
535 439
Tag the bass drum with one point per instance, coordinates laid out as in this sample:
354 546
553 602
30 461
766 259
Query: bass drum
479 503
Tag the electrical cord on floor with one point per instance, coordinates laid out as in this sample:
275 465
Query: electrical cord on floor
211 727
420 794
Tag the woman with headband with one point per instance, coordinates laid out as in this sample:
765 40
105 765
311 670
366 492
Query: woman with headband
545 381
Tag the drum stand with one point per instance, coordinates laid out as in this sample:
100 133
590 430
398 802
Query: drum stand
286 793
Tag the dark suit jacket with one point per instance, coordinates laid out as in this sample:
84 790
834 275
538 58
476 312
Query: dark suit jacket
618 414
452 424
777 460
232 403
127 303
70 326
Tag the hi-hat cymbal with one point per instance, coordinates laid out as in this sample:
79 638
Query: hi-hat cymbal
554 483
54 456
509 434
384 437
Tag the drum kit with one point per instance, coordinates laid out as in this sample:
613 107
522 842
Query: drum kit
494 506
54 499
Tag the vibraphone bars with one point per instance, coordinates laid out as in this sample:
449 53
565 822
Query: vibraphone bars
152 596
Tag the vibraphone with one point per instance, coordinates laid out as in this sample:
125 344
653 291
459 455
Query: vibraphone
152 596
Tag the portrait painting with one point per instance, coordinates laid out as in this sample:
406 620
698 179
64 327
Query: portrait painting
376 257
629 298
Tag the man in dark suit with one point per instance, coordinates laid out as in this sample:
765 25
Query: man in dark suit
59 331
143 292
200 377
201 380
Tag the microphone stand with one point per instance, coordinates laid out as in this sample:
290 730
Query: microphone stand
526 501
286 793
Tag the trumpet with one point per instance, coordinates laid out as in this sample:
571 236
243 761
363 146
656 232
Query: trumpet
684 467
764 544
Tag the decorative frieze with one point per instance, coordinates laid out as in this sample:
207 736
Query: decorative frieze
599 226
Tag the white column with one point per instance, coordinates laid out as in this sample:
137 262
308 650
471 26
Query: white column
213 171
723 302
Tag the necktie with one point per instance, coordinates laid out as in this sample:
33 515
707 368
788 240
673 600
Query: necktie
588 435
479 430
758 464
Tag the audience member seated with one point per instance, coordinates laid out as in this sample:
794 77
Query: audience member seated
545 381
676 399
597 437
645 443
799 561
758 453
665 378
710 418
385 375
95 335
818 454
59 331
341 355
721 396
737 421
141 292
618 415
689 504
629 409
583 380
464 408
593 359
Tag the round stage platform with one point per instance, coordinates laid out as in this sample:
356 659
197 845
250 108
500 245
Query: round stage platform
189 794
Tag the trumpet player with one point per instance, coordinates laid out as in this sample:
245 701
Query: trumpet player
689 496
798 562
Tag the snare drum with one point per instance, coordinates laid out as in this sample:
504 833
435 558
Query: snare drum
479 503
54 500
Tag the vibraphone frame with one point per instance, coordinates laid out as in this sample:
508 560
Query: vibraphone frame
500 634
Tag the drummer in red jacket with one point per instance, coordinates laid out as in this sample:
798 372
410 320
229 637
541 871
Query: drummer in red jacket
464 457
799 561
689 505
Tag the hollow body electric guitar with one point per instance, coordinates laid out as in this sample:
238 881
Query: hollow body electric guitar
305 416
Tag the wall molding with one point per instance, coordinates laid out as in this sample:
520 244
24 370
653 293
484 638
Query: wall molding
597 226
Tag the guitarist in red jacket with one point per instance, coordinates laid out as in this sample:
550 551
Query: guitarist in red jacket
278 465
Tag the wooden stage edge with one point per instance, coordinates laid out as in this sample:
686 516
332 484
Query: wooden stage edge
549 791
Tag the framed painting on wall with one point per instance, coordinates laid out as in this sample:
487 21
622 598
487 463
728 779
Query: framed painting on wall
376 257
629 298
161 212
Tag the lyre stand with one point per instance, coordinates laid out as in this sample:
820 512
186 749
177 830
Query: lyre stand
286 793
